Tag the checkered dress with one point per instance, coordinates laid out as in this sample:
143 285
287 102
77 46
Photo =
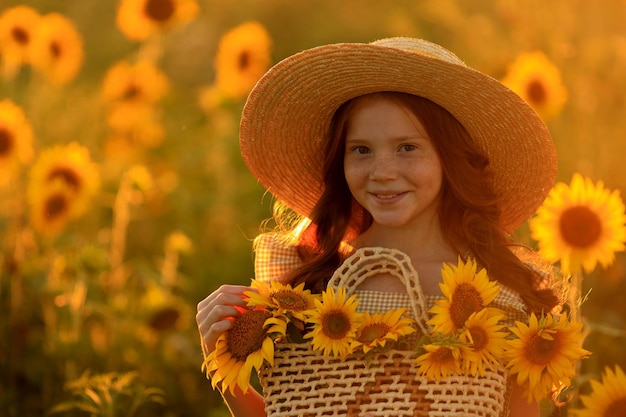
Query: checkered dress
274 259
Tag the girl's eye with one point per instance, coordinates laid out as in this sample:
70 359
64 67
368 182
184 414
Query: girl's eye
360 150
407 148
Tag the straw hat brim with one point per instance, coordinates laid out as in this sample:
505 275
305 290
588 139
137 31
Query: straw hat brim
287 116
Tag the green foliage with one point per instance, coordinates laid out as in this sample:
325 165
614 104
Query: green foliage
108 395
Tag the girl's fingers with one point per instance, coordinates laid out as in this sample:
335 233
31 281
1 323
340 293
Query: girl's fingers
224 295
216 312
210 336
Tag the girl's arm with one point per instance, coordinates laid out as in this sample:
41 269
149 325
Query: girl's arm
215 316
249 404
519 406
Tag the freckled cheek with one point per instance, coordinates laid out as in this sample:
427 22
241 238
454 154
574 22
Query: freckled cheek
354 173
428 174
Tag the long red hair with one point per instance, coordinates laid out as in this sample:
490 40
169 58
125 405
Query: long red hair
469 207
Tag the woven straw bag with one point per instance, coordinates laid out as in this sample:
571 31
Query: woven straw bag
305 383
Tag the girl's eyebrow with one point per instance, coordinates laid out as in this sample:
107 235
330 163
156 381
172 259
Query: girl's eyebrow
395 139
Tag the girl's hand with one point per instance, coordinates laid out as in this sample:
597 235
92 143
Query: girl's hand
217 311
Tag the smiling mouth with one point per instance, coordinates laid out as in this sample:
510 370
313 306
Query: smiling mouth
386 196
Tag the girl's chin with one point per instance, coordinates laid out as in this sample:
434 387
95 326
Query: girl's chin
389 223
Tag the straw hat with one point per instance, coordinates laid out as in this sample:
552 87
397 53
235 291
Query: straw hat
288 113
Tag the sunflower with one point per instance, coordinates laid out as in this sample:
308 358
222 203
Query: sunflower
442 358
53 208
179 242
139 122
57 48
538 81
16 140
580 225
120 152
163 311
242 58
211 98
608 398
465 292
141 19
141 82
486 341
335 322
165 318
377 329
248 344
16 34
70 164
543 353
293 303
160 321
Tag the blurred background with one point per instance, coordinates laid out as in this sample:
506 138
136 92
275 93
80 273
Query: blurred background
128 201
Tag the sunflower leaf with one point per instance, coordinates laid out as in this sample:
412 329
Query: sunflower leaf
294 334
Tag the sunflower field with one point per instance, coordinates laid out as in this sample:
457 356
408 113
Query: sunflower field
124 200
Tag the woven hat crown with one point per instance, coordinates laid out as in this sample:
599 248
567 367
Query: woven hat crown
421 47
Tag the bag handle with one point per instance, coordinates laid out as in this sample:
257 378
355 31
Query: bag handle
368 262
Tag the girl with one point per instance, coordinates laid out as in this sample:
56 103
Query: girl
395 144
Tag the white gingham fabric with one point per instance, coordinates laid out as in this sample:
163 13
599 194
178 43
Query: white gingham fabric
273 258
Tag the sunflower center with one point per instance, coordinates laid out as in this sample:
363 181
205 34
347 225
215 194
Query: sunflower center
55 50
247 334
616 408
6 142
289 300
335 324
244 60
67 175
541 351
55 206
442 355
20 35
537 92
373 332
465 301
580 226
164 319
159 10
131 92
479 338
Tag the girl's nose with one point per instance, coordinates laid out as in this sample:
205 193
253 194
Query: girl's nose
383 168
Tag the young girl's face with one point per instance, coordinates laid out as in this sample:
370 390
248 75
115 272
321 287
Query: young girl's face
391 165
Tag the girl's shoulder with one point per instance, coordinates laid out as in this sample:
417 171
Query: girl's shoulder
511 303
275 256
